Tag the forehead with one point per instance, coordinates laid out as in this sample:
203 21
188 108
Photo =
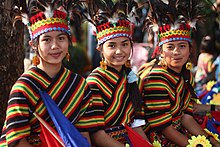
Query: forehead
53 33
176 43
118 40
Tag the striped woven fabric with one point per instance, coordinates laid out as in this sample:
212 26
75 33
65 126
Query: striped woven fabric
111 97
69 91
166 99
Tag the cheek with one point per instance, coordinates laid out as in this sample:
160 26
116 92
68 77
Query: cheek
43 49
128 50
166 54
66 47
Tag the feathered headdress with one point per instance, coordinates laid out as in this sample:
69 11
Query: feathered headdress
175 19
44 16
111 19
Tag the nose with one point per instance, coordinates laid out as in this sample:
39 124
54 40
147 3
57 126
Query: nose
118 50
54 44
176 50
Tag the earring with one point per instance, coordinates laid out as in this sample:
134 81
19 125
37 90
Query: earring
128 63
188 65
164 64
103 64
68 56
35 60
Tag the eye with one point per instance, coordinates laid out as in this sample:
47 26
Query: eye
170 47
45 40
62 37
125 44
182 45
111 46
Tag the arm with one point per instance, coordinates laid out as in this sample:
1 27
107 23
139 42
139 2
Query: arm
101 139
193 127
204 108
201 108
172 134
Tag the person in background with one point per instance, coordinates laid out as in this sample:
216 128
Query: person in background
168 87
205 71
50 38
117 89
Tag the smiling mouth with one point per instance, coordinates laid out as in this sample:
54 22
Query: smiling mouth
55 55
119 58
178 59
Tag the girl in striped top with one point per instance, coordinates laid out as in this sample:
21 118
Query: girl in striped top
168 87
117 89
50 37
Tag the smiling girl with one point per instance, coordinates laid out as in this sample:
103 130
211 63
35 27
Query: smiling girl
117 90
50 38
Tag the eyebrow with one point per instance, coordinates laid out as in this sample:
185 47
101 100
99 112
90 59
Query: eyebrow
121 42
177 44
60 34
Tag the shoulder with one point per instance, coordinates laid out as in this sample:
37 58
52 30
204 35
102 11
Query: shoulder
29 77
95 75
146 68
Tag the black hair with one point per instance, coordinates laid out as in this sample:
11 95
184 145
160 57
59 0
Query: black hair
207 45
134 92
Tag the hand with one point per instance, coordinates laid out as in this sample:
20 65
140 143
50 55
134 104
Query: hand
214 142
200 108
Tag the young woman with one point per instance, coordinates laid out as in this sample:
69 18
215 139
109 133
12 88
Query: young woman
117 90
168 85
50 38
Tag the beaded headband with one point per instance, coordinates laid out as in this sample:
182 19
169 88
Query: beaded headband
182 33
39 24
106 31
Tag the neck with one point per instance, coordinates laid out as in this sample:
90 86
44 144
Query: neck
177 70
51 70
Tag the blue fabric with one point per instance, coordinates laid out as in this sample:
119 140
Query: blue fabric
69 134
209 96
132 77
211 127
217 72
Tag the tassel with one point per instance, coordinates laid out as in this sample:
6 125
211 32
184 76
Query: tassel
36 60
103 64
128 63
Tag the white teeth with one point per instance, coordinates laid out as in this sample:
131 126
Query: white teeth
119 58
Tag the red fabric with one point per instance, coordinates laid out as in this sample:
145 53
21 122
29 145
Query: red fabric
47 139
204 123
136 139
216 115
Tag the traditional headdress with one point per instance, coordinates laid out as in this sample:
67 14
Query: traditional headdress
174 20
111 19
43 16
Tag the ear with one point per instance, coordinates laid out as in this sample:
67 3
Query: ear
99 48
32 45
161 51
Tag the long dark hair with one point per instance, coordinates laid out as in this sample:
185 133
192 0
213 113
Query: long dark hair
134 92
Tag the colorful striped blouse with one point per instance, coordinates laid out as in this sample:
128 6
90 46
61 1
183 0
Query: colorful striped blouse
69 91
166 99
111 97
